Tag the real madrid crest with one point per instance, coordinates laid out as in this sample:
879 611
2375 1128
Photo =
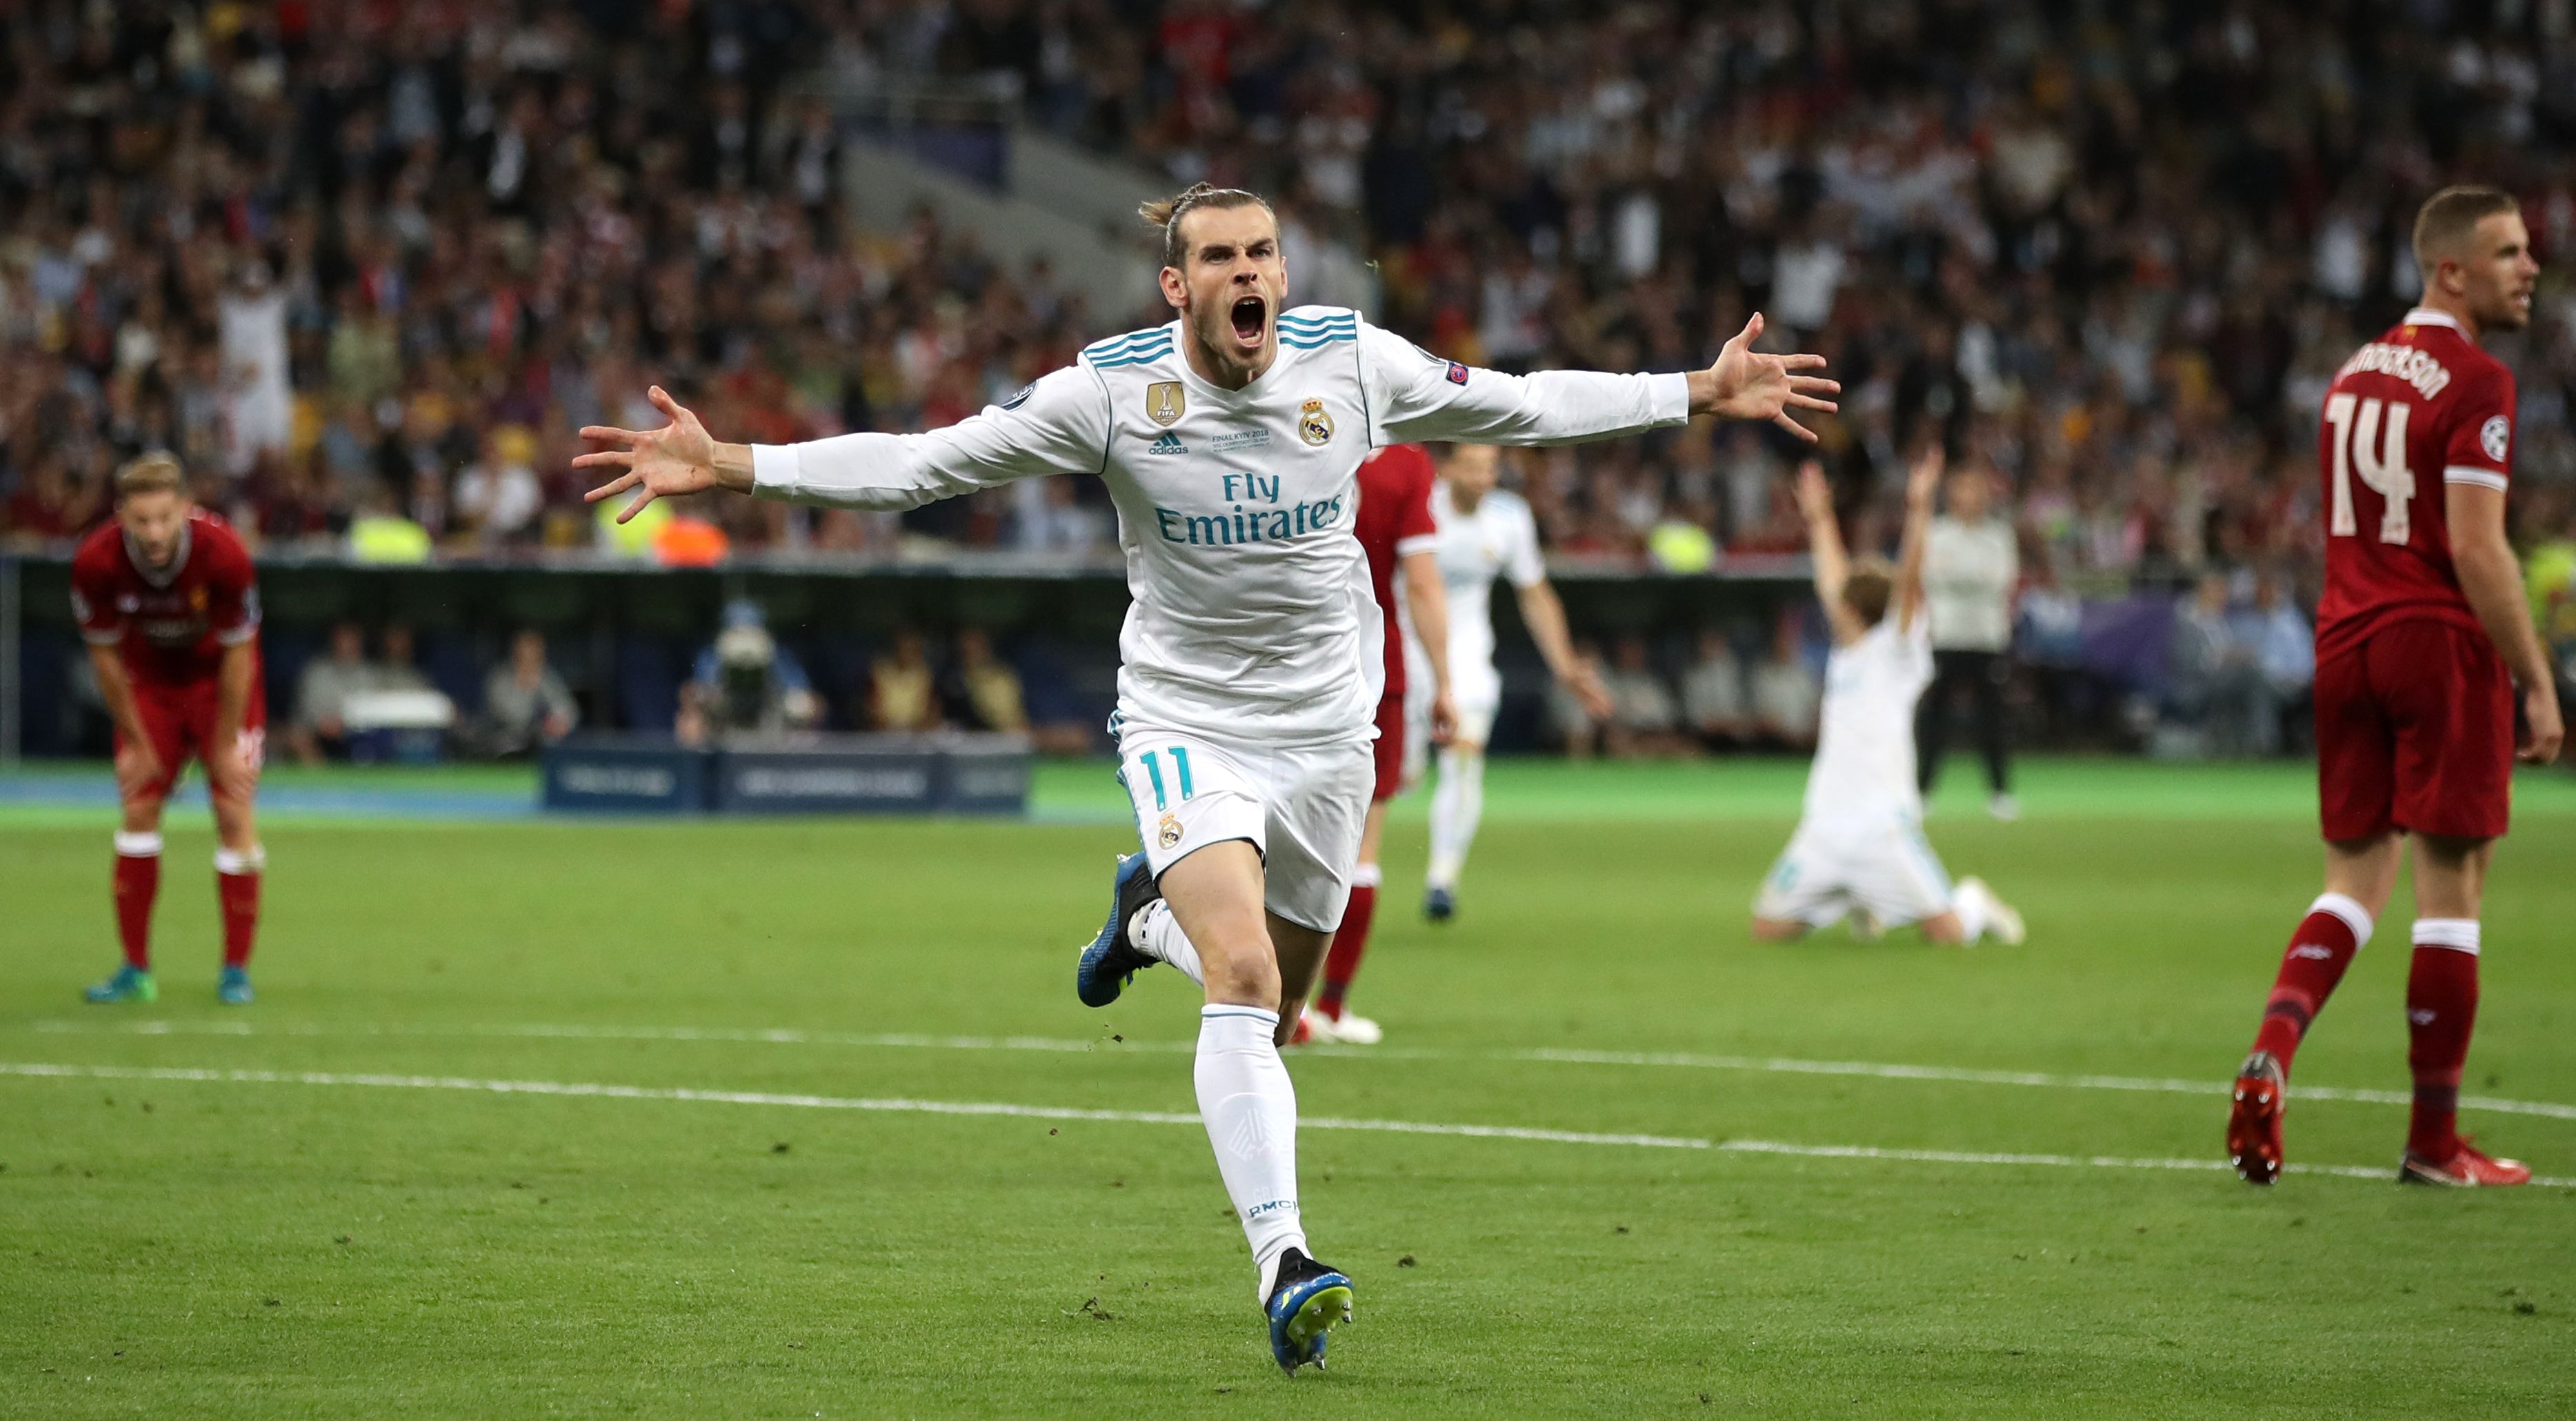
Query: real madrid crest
1169 835
1165 402
1313 425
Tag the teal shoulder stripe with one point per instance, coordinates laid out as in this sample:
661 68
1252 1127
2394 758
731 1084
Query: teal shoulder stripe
1328 316
1109 346
1311 342
1146 350
1146 358
1337 323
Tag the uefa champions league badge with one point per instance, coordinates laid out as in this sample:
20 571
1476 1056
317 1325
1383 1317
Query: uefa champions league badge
1313 425
1169 836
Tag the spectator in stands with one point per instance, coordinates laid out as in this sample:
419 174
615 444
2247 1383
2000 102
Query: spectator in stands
1786 696
2218 688
902 688
48 507
322 695
745 683
1643 719
1713 702
525 703
497 496
985 692
1970 565
2284 650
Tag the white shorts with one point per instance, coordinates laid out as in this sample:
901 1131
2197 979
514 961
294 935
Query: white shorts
1886 869
1302 808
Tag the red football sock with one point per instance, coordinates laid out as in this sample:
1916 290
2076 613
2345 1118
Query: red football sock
138 882
2441 1008
2328 938
237 889
1342 963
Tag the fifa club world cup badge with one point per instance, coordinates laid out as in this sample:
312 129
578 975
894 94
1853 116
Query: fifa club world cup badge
1165 401
1169 835
1313 425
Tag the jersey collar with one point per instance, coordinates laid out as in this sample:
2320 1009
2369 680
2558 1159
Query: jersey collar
2427 316
178 557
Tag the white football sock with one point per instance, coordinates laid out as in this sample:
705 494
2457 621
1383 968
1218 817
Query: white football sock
1158 935
1974 909
1250 1108
1456 804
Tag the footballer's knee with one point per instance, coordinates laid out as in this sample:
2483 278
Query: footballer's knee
1777 929
2450 875
1944 928
143 814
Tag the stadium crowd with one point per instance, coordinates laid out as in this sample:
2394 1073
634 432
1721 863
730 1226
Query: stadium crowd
367 266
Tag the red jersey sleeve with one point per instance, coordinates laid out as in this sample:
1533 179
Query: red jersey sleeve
94 592
2479 449
232 591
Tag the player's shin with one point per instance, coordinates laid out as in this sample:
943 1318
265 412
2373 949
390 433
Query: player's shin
2441 1010
2328 938
237 875
1250 1109
1158 934
1350 941
138 882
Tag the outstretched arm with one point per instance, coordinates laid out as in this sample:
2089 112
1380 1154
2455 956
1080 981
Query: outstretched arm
1414 395
1059 425
1825 550
1920 483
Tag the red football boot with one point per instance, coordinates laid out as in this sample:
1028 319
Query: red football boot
2466 1168
2254 1123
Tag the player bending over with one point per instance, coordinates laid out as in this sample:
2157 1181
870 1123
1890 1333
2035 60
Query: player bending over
166 599
1486 532
1249 682
2422 621
1859 843
1395 531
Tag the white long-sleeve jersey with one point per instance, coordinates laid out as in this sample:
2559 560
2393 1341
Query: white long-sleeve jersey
1252 619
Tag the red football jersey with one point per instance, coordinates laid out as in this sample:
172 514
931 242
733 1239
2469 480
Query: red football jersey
1394 519
173 624
2416 410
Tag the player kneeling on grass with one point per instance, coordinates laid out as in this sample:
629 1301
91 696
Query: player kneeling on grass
165 597
1859 844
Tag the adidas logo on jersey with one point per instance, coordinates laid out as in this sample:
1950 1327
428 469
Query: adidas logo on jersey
1170 443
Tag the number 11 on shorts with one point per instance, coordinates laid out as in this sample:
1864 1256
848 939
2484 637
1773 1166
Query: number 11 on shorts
1152 761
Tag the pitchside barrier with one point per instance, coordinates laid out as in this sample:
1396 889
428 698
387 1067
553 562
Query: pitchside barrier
828 774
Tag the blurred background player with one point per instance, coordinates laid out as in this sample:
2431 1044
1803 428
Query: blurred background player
1971 562
1859 842
2422 621
1485 532
1395 529
166 598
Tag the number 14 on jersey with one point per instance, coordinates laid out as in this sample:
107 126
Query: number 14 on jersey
2370 438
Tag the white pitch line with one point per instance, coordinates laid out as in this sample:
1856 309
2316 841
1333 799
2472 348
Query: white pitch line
902 1105
1775 1065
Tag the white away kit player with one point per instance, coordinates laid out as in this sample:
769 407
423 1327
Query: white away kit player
1247 694
1859 846
1485 533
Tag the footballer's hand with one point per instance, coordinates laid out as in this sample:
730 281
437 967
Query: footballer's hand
138 769
2543 730
1924 478
1444 717
679 458
1747 384
1585 683
1815 496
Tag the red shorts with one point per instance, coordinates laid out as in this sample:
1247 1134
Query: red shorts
179 718
2415 732
1390 747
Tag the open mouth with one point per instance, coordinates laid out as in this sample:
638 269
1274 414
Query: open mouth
1251 317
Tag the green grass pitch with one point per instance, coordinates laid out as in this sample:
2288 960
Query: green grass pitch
356 1227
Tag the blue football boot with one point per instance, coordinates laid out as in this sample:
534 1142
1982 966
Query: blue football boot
1439 904
130 984
1307 1302
233 987
1111 959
